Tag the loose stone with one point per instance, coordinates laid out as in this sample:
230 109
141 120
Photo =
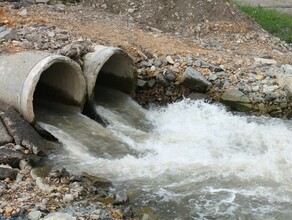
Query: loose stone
169 60
195 80
7 172
161 79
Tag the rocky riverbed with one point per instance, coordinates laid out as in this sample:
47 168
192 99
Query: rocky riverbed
30 189
232 61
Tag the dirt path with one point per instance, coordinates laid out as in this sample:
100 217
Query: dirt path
284 6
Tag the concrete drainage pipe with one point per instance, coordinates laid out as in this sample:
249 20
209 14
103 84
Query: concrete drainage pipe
35 75
109 67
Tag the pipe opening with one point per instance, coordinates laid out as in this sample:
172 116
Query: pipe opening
59 84
117 73
107 68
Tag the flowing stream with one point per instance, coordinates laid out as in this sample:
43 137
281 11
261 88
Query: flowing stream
188 160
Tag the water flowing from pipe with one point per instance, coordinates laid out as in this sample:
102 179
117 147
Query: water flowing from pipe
190 159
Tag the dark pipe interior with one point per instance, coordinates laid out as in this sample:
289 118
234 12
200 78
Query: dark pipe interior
58 83
117 73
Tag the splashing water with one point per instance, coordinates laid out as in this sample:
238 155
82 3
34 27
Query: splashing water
195 160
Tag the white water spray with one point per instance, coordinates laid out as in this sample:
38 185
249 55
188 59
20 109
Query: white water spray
199 161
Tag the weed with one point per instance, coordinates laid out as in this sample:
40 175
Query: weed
280 25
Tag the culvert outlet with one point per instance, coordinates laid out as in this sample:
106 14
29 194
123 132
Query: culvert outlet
109 67
27 77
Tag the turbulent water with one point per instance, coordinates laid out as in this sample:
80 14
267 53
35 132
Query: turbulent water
190 160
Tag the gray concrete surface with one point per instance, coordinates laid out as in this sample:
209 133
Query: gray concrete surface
283 6
20 74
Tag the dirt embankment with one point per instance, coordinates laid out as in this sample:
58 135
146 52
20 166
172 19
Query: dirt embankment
175 16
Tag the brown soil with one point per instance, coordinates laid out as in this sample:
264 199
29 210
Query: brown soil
173 15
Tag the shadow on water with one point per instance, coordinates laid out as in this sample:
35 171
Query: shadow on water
78 132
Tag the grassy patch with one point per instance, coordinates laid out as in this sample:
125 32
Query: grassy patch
280 25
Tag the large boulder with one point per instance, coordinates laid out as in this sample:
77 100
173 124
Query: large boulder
21 131
236 99
195 80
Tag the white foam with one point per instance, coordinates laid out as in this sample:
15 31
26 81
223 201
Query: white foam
189 136
196 144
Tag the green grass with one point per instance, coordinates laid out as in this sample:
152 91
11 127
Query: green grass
280 25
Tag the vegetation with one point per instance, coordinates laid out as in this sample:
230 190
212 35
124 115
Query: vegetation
280 25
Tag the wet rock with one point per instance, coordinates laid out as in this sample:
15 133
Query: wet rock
40 181
65 180
65 173
20 129
4 135
198 96
34 215
195 80
236 99
10 157
7 172
96 181
55 174
59 216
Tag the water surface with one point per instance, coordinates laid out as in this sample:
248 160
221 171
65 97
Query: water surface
190 160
